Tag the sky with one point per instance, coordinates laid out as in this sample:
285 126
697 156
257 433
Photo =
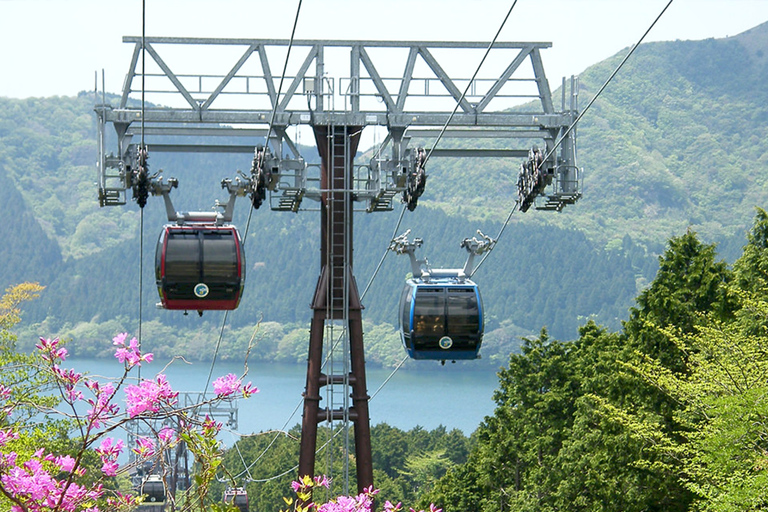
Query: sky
55 47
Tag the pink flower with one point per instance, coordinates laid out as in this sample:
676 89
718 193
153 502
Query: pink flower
122 500
51 350
7 434
109 450
102 409
120 339
249 390
129 354
145 447
109 453
389 507
225 386
149 396
210 426
229 384
167 435
109 468
66 463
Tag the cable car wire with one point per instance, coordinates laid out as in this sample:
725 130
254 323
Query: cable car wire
250 210
575 122
439 137
386 251
610 78
388 378
143 147
469 84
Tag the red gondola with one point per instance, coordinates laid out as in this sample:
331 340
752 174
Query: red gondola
200 267
238 497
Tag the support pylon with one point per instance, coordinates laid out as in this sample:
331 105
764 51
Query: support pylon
336 298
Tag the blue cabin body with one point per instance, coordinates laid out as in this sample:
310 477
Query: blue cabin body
441 319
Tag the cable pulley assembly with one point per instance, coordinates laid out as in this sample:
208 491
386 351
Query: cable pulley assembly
263 174
140 177
417 179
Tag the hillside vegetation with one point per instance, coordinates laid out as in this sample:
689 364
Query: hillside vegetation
676 142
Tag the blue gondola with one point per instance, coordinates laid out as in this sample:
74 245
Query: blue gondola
441 311
441 319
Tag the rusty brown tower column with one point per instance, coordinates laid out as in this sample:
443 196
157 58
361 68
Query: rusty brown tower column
336 298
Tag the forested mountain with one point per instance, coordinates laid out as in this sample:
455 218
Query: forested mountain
677 141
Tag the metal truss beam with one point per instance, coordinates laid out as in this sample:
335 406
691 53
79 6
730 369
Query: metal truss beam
408 87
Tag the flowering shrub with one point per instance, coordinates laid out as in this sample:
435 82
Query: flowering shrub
363 502
43 481
48 482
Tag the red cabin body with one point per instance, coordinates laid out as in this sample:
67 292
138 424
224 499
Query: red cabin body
199 267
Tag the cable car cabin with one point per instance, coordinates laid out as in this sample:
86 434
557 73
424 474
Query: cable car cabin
238 497
153 489
199 267
441 319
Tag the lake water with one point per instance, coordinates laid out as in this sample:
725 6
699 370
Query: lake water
454 396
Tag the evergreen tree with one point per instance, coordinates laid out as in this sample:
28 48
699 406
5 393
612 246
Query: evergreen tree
689 282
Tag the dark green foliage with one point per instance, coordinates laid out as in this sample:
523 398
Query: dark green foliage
398 460
574 428
27 253
689 282
752 268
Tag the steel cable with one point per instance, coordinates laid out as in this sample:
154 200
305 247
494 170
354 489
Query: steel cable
576 121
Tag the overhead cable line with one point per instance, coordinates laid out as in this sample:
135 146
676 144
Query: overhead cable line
610 78
142 151
388 378
576 121
274 439
375 273
386 251
469 84
285 425
250 210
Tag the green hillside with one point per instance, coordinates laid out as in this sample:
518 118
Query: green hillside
676 142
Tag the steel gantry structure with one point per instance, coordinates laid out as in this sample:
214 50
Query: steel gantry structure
337 89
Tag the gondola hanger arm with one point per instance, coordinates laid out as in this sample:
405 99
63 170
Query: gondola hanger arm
475 247
401 245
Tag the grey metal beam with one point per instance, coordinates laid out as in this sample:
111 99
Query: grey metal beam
475 134
200 148
443 76
377 80
407 73
478 153
129 76
541 82
199 131
172 76
524 53
354 77
333 42
265 69
229 76
406 119
298 79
